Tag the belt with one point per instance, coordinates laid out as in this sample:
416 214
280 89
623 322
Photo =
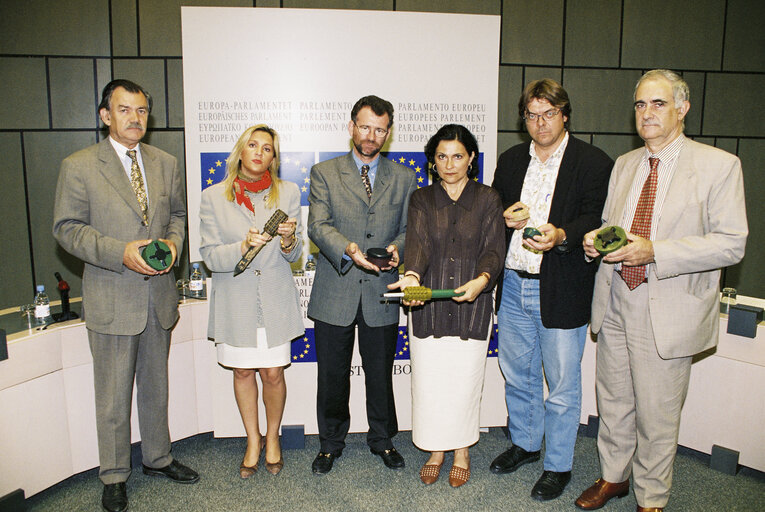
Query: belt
526 275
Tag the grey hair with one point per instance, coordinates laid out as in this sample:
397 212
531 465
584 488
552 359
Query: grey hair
680 90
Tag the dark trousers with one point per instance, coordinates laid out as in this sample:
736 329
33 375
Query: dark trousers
334 349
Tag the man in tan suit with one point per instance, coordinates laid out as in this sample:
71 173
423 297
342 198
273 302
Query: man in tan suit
113 199
655 303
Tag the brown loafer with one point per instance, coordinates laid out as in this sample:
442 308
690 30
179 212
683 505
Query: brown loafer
429 473
650 509
458 476
598 495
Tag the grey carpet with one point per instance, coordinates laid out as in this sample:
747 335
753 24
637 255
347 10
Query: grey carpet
360 482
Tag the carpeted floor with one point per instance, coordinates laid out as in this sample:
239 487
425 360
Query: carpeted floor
360 482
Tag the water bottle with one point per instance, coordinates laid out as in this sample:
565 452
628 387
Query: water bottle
196 282
310 264
42 305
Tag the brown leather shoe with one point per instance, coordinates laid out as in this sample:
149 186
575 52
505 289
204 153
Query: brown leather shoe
458 476
429 473
650 509
598 495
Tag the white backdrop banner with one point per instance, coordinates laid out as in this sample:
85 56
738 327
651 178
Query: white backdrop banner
300 71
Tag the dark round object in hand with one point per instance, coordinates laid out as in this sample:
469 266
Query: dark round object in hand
378 256
157 254
531 232
609 239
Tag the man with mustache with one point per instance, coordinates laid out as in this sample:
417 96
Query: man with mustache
557 184
112 200
357 201
655 302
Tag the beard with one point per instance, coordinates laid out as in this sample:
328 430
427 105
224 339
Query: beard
369 153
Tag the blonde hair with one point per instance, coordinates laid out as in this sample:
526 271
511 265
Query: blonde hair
234 164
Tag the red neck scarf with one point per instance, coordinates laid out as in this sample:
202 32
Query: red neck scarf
241 186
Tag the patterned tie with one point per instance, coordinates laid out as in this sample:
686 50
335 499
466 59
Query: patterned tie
136 180
365 179
641 223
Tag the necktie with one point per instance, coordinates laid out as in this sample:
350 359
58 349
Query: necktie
136 180
641 222
365 179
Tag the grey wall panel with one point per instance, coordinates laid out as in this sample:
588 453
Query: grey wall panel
673 34
72 93
510 88
124 28
727 144
720 119
748 277
17 283
368 5
532 32
25 88
52 27
159 24
593 30
744 36
695 83
455 6
602 99
150 74
617 145
507 140
532 73
44 152
175 92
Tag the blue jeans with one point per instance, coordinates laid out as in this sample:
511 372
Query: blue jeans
525 345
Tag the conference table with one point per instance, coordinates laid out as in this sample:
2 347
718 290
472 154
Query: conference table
47 408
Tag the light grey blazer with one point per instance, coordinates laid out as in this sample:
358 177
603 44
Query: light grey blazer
267 283
340 213
702 227
96 214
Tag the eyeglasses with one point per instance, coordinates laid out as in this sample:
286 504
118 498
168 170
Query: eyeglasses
547 115
364 130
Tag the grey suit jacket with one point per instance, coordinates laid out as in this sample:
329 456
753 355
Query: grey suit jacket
96 214
340 213
267 283
702 227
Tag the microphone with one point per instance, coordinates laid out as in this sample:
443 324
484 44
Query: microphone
271 226
63 290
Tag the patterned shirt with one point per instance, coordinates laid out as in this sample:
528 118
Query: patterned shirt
537 193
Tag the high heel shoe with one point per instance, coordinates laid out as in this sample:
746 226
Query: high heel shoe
275 467
246 472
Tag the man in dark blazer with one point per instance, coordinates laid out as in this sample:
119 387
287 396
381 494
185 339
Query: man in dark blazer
557 184
357 201
656 300
113 199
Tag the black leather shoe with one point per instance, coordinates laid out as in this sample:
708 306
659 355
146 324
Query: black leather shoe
175 471
114 498
323 462
390 457
510 460
550 485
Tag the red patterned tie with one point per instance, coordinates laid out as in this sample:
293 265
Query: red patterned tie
365 180
641 223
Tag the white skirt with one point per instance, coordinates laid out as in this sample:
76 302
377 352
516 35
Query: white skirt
447 383
260 356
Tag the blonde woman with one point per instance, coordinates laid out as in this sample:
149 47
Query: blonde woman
255 315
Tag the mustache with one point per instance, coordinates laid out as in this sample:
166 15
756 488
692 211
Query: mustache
135 125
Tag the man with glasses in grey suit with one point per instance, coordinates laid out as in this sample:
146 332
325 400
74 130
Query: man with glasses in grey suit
357 201
112 200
